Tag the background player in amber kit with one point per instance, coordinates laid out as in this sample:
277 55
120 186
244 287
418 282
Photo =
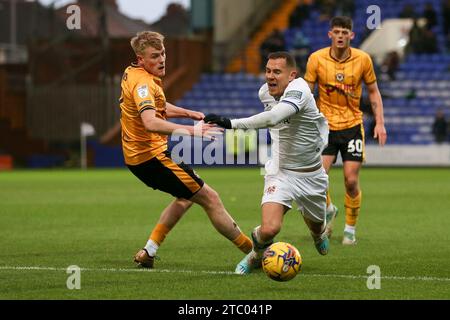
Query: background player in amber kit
339 71
144 111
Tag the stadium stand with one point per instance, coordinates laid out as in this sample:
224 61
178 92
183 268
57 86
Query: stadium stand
420 88
230 94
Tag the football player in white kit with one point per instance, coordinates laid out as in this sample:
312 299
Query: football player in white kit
299 133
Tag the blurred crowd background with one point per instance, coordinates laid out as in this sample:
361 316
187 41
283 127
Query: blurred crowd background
53 78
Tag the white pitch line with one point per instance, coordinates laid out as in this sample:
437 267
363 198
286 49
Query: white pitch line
31 268
418 278
345 276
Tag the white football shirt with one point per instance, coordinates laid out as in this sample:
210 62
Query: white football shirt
297 141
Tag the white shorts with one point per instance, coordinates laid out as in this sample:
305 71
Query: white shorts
307 189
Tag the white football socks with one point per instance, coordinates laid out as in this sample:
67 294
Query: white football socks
350 229
151 247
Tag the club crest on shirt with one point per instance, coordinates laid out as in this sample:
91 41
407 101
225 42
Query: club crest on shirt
142 91
340 77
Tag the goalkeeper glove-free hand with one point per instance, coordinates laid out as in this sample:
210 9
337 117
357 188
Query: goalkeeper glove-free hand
219 120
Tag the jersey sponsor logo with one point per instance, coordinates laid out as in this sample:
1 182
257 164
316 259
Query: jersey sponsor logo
341 88
294 94
142 91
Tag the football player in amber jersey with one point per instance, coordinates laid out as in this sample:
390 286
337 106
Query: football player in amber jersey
144 114
339 71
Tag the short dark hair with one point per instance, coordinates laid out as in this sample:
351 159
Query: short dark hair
290 61
341 21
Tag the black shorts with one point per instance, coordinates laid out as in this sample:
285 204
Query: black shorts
162 173
350 142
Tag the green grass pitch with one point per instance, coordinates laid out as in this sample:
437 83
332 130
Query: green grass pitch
98 219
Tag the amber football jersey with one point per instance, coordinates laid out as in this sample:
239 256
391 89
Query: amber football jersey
140 91
340 85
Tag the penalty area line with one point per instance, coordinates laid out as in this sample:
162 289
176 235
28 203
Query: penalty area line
125 270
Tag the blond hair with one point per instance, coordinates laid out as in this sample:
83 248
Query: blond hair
145 39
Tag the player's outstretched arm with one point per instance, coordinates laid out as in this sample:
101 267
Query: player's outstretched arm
264 119
155 124
172 111
376 103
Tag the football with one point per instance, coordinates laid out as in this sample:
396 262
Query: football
281 261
